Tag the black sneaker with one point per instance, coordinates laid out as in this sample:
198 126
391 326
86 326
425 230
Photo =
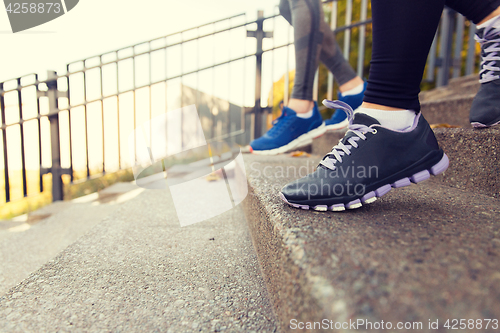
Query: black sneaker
367 163
485 109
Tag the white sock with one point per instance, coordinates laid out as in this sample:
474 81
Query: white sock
354 91
487 23
396 120
305 115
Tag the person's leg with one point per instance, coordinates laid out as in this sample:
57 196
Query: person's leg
304 16
351 86
312 34
402 35
485 109
300 120
381 150
476 11
331 56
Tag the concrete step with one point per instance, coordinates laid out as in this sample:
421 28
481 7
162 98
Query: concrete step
459 86
453 110
459 82
450 104
27 242
139 271
423 252
474 157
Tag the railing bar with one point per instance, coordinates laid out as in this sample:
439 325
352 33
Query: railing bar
39 134
315 85
182 92
165 36
118 116
287 72
213 134
471 51
459 40
134 102
333 25
69 131
444 33
197 99
21 132
86 124
152 83
102 119
272 69
347 34
166 89
243 115
229 86
340 29
362 34
150 106
431 64
4 139
25 86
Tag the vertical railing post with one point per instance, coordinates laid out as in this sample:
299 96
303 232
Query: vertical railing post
52 94
471 50
4 143
259 34
445 53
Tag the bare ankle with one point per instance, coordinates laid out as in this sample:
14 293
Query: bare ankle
379 107
300 105
351 84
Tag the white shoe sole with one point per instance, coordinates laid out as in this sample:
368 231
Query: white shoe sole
343 124
302 140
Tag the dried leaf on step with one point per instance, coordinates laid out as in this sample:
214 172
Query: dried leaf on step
299 153
444 125
246 149
214 176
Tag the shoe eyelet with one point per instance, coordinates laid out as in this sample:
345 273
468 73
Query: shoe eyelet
374 131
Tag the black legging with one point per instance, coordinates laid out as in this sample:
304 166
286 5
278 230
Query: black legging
402 36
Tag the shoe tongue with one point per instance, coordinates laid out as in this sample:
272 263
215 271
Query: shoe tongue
364 119
480 33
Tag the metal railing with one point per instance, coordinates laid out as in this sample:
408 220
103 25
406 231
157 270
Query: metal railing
75 122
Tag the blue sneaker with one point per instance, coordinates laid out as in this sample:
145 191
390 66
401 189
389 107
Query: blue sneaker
289 132
339 117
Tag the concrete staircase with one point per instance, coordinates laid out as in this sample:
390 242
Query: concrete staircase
426 252
119 261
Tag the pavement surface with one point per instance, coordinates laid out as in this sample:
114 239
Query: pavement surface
29 241
139 271
423 252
